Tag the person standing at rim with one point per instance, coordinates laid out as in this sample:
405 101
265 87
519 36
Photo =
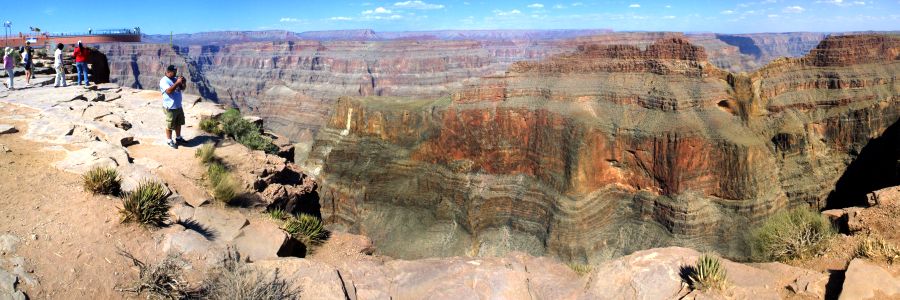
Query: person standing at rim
171 88
27 62
58 66
81 55
9 64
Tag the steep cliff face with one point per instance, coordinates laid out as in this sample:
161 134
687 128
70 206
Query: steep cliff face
607 150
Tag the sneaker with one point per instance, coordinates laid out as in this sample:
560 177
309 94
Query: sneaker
172 144
180 140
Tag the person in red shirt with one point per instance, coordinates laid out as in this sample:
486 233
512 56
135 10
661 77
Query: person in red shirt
81 55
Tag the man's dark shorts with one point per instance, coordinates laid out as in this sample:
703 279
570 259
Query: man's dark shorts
174 118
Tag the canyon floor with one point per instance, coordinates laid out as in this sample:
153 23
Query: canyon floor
59 242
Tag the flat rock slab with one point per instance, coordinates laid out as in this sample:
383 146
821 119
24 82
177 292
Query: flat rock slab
8 243
225 225
94 154
261 240
7 282
4 129
865 280
181 239
316 280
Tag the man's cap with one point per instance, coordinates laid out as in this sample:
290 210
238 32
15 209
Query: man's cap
171 68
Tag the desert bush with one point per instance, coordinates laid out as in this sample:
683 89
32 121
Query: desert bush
791 234
215 171
579 268
147 204
305 228
210 125
164 280
226 189
256 141
235 280
707 274
245 132
102 180
875 247
206 152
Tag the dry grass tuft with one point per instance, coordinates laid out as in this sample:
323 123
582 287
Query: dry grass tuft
102 180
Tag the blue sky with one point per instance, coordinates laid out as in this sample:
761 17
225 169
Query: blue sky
635 15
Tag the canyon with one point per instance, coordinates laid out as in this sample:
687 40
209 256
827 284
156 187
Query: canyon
583 146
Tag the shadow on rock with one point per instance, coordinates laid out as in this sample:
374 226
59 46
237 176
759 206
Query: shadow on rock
191 224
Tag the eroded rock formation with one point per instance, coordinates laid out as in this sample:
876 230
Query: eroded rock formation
589 152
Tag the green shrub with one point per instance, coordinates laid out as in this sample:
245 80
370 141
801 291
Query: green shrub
206 153
102 180
256 141
245 132
215 171
147 204
791 234
707 274
225 190
210 125
876 248
305 228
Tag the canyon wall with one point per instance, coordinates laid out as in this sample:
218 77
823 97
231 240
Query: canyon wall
609 149
293 82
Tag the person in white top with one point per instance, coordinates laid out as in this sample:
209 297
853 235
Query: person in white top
58 65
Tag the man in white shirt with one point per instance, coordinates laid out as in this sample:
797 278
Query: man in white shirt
58 66
171 88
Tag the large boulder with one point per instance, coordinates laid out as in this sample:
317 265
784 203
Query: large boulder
865 280
264 240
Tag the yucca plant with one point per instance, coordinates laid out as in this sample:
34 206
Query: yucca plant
147 204
707 274
226 189
276 214
102 180
305 228
206 153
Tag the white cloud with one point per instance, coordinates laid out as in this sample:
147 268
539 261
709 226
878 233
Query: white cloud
378 10
773 16
635 5
793 9
842 2
289 20
577 4
559 6
536 5
340 18
668 6
507 13
668 17
727 12
418 5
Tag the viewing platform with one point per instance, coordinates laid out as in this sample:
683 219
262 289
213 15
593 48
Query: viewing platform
92 37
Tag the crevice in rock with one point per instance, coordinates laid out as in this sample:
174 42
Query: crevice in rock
835 284
876 166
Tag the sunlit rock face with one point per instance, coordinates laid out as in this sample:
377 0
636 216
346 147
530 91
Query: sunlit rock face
608 149
581 147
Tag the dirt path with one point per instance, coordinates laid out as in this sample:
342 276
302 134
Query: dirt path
68 238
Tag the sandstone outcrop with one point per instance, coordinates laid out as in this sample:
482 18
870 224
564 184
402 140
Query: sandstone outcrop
568 155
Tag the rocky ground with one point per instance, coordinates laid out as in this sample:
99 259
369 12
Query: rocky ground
60 242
